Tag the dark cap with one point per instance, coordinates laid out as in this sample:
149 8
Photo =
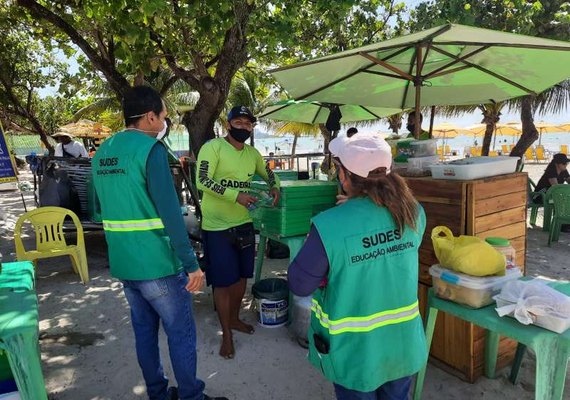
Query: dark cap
241 111
560 158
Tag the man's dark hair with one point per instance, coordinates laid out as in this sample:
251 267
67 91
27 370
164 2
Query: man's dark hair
413 115
140 100
351 132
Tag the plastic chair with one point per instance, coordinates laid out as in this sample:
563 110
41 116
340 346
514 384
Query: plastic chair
529 154
50 239
532 196
493 153
541 154
560 196
440 152
564 148
505 149
447 150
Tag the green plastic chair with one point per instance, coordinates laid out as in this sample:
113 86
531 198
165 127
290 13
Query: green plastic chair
560 196
532 196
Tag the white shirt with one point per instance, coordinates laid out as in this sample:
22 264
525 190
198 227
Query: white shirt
76 149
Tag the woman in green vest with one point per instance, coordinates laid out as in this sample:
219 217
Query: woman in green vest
360 262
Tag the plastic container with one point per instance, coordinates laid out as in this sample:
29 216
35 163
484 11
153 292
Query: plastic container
503 246
422 163
474 168
558 324
272 302
472 291
423 148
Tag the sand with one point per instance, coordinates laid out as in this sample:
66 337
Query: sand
87 343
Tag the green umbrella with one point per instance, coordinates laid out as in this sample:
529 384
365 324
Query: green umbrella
450 64
314 112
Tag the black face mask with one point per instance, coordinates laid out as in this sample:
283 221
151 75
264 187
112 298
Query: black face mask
241 135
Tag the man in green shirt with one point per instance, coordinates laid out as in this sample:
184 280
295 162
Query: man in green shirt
225 169
411 126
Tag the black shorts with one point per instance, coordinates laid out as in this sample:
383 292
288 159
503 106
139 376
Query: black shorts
230 255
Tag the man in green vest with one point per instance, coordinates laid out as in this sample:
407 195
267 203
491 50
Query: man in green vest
149 249
226 167
366 333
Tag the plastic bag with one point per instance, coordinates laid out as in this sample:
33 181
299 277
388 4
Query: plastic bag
533 302
467 254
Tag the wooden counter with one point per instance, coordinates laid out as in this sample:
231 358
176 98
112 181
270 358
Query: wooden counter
493 206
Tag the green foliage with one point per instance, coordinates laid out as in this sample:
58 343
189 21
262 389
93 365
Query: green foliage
546 18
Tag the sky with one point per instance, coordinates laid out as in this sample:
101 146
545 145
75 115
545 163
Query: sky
463 121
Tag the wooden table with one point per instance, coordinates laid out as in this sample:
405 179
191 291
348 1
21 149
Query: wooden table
552 349
494 206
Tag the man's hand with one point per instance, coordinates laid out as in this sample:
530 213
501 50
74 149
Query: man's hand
276 194
341 198
245 199
195 281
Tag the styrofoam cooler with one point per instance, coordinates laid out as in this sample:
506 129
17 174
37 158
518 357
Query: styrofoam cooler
474 168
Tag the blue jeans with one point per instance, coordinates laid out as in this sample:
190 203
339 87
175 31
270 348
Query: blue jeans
393 390
165 300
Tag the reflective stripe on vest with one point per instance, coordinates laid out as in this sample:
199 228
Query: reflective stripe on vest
367 323
133 225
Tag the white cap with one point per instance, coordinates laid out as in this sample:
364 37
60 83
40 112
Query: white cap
362 153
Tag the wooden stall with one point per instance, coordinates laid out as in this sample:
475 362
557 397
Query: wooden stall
494 206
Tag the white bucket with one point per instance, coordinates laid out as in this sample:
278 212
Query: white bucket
272 314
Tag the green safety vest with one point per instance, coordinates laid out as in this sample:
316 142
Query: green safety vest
139 248
368 313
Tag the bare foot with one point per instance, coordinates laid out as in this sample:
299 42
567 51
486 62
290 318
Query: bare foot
241 326
227 348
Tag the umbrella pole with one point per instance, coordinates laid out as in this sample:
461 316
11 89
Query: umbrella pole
431 118
418 86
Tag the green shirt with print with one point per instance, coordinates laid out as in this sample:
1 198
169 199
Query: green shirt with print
223 172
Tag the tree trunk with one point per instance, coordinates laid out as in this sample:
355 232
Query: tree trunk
293 150
490 118
529 131
395 123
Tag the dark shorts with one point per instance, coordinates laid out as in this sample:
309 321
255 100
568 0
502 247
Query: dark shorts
226 262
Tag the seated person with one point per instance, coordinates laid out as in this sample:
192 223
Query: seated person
67 147
556 173
411 125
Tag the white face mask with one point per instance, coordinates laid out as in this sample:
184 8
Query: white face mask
162 133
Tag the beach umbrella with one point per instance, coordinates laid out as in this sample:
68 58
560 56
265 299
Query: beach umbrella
545 127
446 130
450 64
565 127
315 112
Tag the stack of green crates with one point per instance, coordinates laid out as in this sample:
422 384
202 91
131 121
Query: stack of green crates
299 202
283 174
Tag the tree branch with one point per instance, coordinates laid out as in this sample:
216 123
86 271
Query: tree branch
167 85
178 71
118 82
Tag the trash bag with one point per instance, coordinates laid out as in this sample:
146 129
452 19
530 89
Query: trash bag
467 254
276 250
57 190
534 302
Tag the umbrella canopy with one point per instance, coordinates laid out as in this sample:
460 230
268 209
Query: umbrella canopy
450 64
446 130
314 112
476 130
565 127
85 128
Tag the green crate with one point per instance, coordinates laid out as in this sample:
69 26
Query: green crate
303 194
284 221
283 174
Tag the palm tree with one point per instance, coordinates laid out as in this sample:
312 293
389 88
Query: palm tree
296 129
